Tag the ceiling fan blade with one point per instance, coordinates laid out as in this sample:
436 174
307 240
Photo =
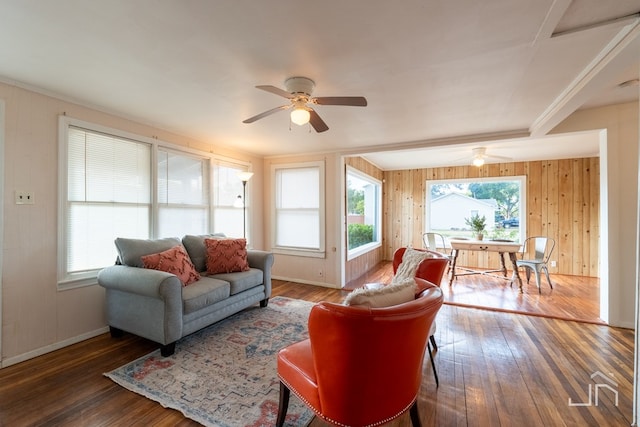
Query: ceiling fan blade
353 101
318 124
266 113
276 91
489 156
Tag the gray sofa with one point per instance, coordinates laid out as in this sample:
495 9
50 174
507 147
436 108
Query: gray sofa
153 304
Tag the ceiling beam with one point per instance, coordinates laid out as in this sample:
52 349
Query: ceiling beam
621 53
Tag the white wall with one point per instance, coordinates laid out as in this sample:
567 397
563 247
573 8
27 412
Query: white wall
317 271
621 192
36 317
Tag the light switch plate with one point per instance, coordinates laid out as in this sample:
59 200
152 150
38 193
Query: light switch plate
25 198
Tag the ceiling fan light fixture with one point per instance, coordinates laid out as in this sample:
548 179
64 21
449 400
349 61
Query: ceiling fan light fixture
300 116
478 161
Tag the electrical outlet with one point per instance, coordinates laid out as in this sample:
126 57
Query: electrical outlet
554 264
25 198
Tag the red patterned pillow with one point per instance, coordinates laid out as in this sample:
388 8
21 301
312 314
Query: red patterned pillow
226 255
175 261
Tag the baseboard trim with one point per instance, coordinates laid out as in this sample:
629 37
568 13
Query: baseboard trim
306 282
52 347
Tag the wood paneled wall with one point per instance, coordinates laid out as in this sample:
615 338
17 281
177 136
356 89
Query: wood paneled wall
358 266
563 202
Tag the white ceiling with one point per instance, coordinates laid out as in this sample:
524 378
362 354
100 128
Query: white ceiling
435 73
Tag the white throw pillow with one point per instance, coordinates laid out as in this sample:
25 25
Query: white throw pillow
384 296
411 259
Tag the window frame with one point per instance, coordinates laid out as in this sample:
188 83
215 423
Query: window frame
522 179
216 163
363 249
66 280
298 251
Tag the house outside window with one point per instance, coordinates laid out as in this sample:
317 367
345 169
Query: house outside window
364 211
298 227
502 201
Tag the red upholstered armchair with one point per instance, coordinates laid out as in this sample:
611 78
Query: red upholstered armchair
431 269
360 366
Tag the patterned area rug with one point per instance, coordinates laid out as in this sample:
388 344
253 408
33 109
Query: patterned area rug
225 375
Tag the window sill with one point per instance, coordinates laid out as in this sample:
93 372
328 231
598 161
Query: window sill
361 250
299 252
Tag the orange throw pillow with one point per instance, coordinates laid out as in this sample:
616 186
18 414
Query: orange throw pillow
226 255
175 261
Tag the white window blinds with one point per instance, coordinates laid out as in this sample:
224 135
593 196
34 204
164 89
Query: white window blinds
298 213
108 195
183 194
228 202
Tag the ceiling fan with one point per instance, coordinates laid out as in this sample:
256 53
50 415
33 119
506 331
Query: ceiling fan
298 91
479 155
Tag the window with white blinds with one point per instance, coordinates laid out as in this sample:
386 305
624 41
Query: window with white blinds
108 194
183 194
228 199
107 180
299 208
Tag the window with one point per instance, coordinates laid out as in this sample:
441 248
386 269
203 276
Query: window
183 198
107 181
299 209
364 194
228 199
500 200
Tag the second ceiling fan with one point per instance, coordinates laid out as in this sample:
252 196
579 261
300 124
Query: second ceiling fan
298 91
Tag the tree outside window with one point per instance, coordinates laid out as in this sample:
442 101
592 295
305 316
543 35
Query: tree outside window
363 212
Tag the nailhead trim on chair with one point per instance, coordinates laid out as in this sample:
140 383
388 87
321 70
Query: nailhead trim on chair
393 417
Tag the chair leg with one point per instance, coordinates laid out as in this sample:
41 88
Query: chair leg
433 343
537 273
415 417
433 364
283 405
546 272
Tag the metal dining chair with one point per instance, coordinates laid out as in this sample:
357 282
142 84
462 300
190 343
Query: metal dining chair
437 243
542 250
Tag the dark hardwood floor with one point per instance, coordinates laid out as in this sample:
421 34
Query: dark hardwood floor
495 369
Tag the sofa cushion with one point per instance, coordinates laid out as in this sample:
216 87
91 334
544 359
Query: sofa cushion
203 293
196 249
131 251
226 255
243 280
175 261
383 296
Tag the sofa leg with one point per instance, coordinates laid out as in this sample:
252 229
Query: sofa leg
168 350
283 405
264 302
115 332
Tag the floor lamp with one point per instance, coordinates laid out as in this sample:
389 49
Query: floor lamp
244 177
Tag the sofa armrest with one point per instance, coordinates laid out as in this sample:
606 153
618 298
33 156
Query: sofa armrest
262 260
144 302
141 281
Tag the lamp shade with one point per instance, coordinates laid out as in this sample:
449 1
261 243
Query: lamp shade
245 176
300 116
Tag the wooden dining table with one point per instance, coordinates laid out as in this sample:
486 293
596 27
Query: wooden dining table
500 246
